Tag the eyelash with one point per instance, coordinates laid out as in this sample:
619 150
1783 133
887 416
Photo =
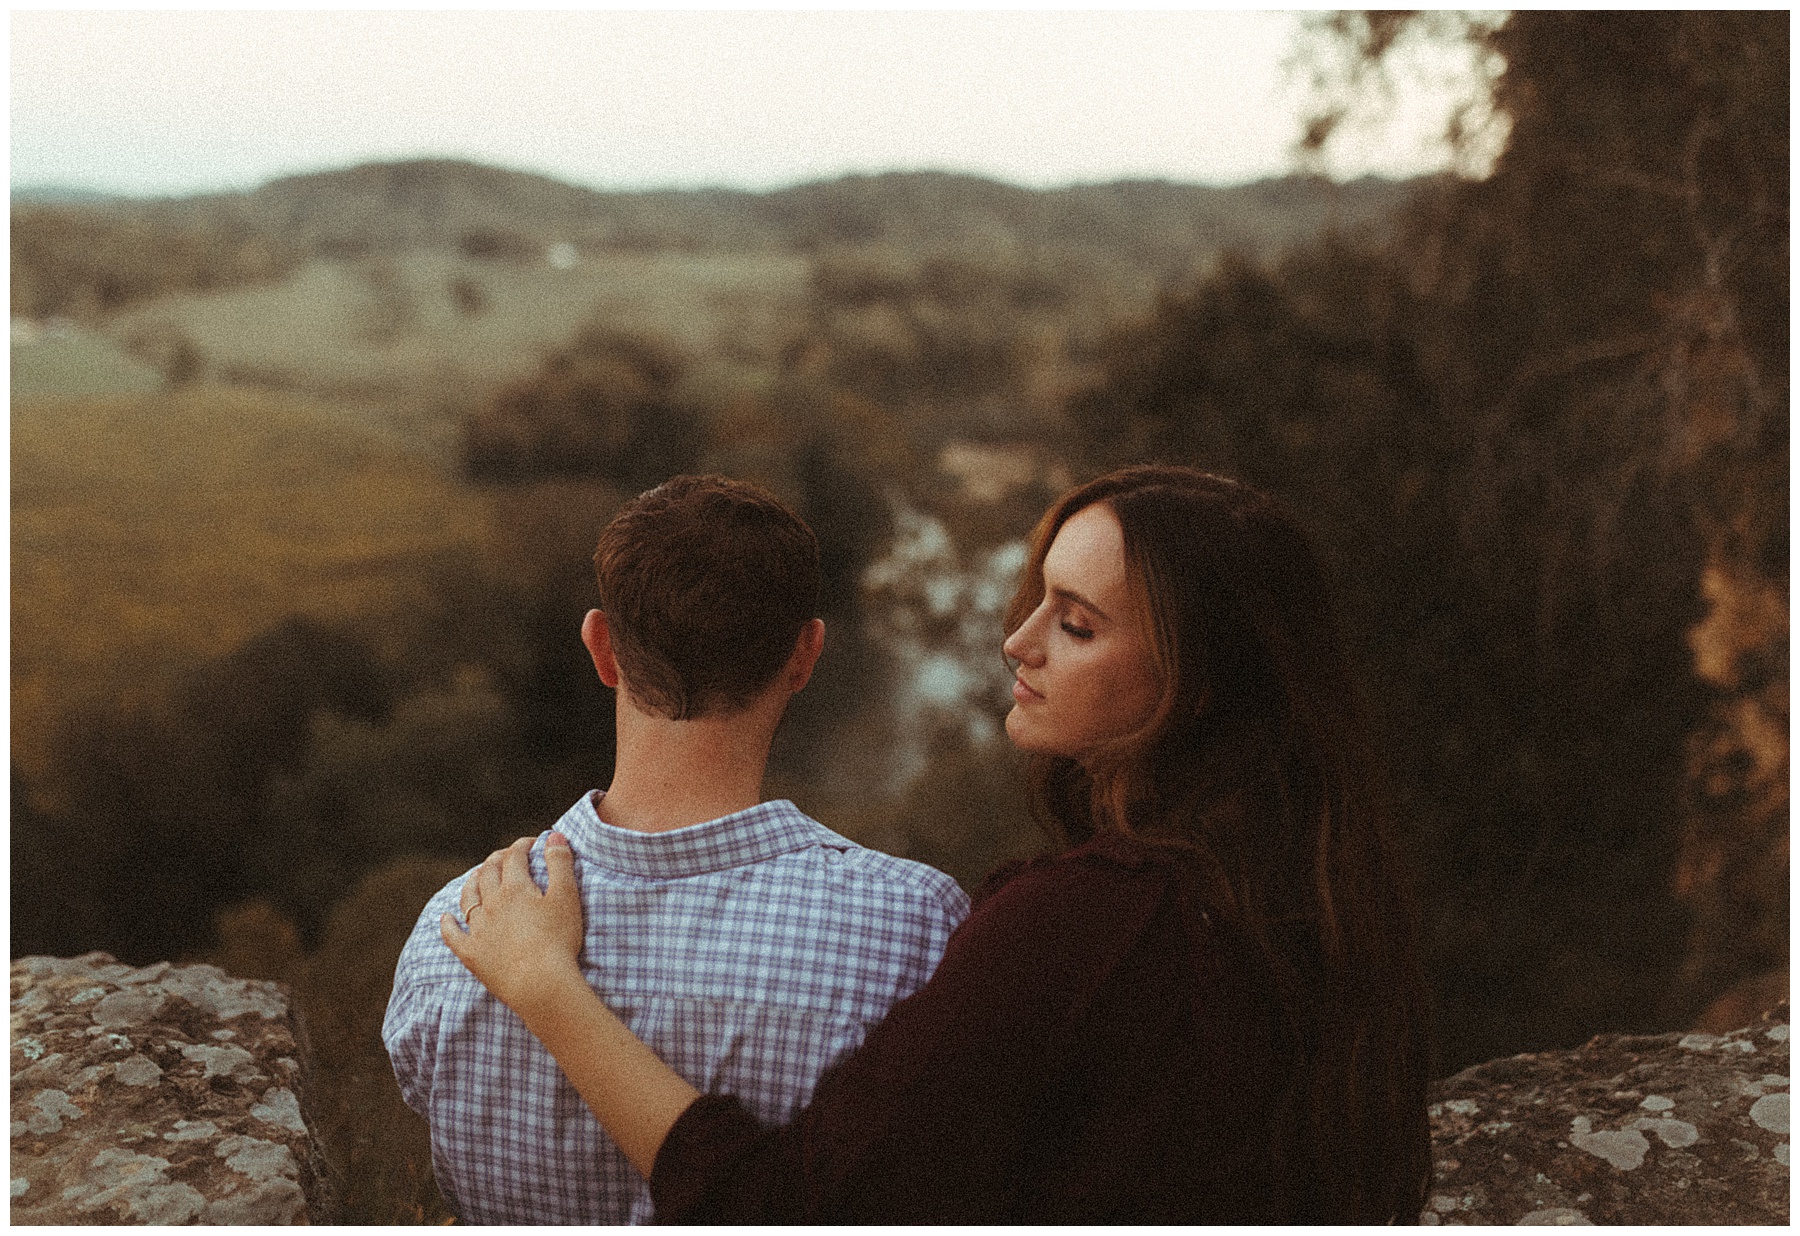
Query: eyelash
1077 632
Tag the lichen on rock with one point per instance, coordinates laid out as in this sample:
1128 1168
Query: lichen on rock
157 1094
1637 1129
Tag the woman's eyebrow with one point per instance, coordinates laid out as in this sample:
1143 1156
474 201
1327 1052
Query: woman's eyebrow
1069 594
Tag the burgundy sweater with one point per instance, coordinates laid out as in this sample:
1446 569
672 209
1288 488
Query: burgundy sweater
1090 1050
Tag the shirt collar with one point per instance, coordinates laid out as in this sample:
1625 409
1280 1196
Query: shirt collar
750 836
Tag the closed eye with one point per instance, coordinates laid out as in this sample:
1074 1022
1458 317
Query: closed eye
1077 632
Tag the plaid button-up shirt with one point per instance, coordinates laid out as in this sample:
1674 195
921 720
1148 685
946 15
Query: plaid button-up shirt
750 952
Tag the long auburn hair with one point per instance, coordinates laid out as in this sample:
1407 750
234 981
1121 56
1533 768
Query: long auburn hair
1257 768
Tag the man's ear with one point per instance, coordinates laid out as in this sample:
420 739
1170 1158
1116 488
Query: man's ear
807 647
597 636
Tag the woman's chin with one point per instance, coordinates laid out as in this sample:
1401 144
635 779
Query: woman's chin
1024 735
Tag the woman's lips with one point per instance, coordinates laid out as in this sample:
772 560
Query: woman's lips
1023 693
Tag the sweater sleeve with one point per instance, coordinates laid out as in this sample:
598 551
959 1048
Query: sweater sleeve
936 1117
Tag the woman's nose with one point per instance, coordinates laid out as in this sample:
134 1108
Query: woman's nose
1021 645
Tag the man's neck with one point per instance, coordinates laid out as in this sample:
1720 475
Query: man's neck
670 774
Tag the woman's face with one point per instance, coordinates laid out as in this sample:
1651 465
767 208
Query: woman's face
1086 672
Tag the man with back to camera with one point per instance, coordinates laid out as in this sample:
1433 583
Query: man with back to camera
744 941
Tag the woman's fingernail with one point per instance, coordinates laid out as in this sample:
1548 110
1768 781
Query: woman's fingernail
556 838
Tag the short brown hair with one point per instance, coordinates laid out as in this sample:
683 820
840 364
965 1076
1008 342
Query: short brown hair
706 583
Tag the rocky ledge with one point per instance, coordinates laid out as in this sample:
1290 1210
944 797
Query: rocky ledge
175 1094
1667 1128
161 1094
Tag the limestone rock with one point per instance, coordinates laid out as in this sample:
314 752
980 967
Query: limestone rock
1667 1128
160 1094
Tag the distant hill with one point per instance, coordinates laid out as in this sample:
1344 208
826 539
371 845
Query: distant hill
58 195
1157 229
390 206
1157 225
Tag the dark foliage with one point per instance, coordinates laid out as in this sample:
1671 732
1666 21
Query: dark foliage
380 1149
170 789
492 244
57 907
840 499
287 769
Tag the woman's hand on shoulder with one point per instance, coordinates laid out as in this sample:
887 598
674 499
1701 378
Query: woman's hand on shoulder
521 943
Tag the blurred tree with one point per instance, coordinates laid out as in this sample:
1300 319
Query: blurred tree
836 489
492 244
1629 256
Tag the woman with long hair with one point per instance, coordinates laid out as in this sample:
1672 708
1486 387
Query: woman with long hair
1203 1007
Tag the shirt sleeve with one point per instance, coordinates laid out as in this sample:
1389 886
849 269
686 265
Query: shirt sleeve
934 1118
408 1033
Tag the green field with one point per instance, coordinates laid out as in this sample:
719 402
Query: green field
424 336
78 364
150 533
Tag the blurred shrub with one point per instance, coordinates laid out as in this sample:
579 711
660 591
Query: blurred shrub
968 811
468 296
429 779
906 328
170 351
60 879
379 1148
255 940
609 405
169 787
493 244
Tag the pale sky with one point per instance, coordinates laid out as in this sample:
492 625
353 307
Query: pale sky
170 102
